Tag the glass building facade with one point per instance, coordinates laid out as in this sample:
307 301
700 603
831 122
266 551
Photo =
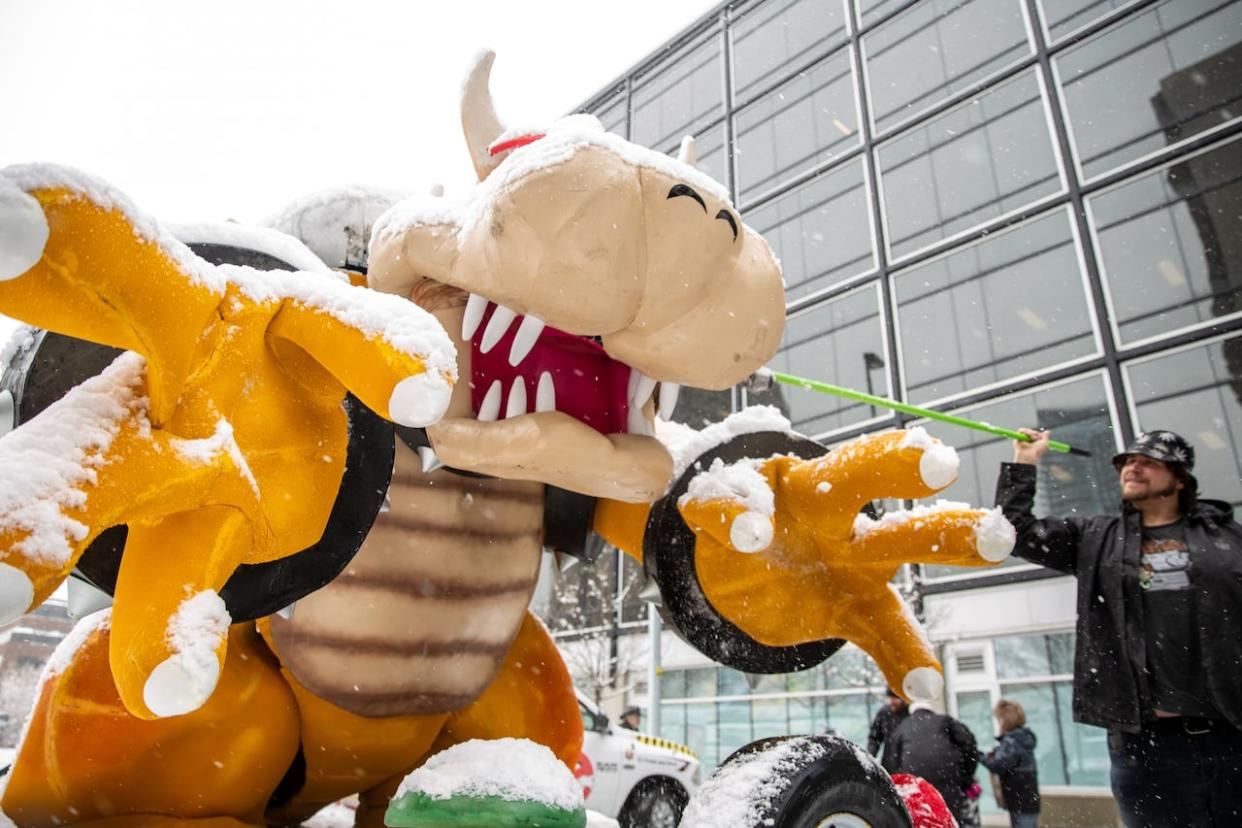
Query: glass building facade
1028 212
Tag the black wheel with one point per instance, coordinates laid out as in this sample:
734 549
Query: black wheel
802 782
655 803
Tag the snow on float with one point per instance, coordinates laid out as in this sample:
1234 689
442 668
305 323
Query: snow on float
363 643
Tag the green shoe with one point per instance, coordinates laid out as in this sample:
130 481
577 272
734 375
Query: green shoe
417 810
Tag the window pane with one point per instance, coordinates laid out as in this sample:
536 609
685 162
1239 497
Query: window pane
850 716
710 151
1197 392
869 11
771 718
633 579
673 684
1044 716
1154 79
1019 656
973 163
807 715
1171 244
804 122
734 726
821 232
974 709
701 683
701 734
851 668
678 96
1086 747
936 48
611 114
971 318
730 682
842 339
1065 16
673 723
779 35
1077 413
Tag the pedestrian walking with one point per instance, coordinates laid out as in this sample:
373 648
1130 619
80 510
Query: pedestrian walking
1013 764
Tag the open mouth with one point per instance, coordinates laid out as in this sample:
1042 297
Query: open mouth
521 365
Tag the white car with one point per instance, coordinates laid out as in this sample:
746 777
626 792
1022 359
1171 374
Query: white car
640 780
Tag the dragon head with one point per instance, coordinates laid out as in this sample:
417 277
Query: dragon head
580 272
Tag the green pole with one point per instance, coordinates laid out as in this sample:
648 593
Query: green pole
884 402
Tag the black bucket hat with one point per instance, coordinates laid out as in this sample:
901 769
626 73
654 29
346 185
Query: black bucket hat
1165 446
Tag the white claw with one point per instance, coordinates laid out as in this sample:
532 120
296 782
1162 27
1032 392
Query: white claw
175 688
923 684
23 231
475 306
502 318
516 406
85 598
287 612
16 593
545 393
420 400
489 409
643 386
525 338
636 423
668 400
751 532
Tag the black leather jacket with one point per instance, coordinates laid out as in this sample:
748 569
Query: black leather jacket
1102 551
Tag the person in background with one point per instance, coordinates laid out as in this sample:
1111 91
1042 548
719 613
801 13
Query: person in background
940 749
886 719
1013 762
632 718
1158 658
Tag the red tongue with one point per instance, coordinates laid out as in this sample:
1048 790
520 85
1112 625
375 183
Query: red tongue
590 386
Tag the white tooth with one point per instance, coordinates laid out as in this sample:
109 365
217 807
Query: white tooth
490 407
501 319
545 393
475 306
642 390
635 423
517 399
427 457
525 338
668 399
629 391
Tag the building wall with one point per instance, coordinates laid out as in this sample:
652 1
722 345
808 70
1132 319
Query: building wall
1028 212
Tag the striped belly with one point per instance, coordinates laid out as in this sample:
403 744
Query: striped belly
421 619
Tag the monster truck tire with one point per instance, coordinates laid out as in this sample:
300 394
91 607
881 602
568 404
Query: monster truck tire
655 803
831 784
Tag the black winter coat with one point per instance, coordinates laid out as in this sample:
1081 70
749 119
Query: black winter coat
1102 551
882 726
1013 760
940 749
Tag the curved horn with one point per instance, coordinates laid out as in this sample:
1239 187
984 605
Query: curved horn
688 154
478 116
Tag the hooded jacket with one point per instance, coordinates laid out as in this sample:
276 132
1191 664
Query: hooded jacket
1013 761
938 748
1103 553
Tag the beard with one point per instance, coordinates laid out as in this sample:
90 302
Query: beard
1152 494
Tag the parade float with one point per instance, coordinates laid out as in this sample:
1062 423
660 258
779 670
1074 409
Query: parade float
319 508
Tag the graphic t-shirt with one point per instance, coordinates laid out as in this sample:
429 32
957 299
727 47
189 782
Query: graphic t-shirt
1175 677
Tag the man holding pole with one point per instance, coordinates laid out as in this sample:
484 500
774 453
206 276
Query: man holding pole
1158 658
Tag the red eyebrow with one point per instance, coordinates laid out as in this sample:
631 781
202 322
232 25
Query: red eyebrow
514 143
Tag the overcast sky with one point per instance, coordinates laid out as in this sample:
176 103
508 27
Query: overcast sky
228 109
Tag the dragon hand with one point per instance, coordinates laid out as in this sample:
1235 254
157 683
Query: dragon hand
220 441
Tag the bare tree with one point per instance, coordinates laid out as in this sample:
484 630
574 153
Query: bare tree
18 685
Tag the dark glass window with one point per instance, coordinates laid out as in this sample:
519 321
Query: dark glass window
1197 392
709 148
770 39
975 162
869 11
1023 656
1152 80
821 231
936 48
1170 244
803 122
1008 305
678 96
842 342
1065 16
1077 412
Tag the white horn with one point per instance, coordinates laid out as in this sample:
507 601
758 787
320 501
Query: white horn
479 120
688 154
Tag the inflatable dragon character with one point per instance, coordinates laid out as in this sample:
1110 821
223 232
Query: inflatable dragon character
520 340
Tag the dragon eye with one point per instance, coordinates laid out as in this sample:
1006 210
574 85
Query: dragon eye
683 190
727 216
